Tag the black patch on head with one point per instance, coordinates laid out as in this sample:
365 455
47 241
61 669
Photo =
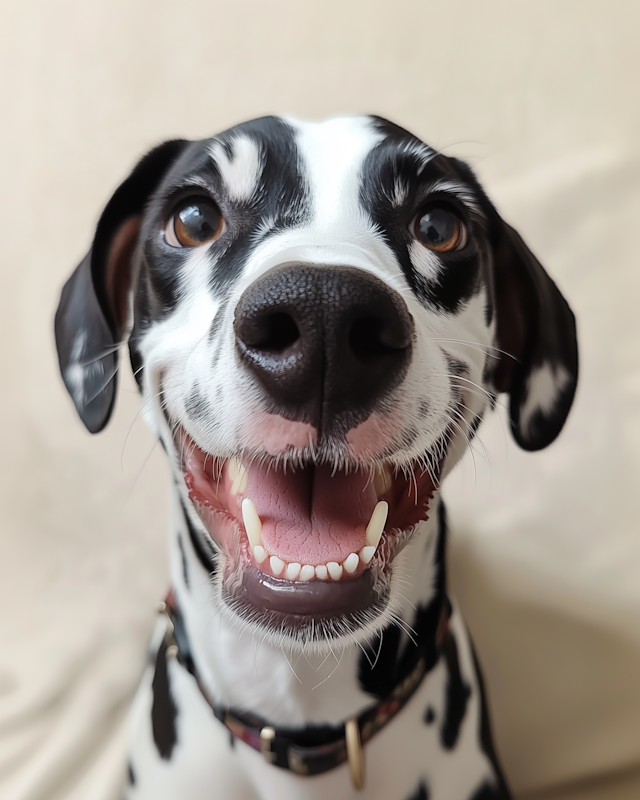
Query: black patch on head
281 200
232 741
163 708
131 775
457 695
489 792
183 557
384 662
399 158
429 715
421 792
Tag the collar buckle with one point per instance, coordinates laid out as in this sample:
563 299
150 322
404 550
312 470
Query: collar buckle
355 753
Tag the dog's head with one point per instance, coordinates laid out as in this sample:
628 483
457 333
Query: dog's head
318 315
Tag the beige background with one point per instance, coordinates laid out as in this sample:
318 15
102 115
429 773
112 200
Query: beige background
541 97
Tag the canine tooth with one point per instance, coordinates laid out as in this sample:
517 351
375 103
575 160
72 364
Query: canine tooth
259 553
335 570
366 554
307 572
382 479
239 476
377 523
351 563
252 523
277 565
321 572
292 571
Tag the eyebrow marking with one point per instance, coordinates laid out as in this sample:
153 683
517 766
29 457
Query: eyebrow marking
459 190
240 171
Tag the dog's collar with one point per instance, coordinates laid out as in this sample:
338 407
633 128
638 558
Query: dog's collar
315 748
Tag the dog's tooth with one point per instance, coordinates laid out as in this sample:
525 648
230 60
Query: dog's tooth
252 523
259 553
292 571
351 563
321 572
366 554
239 476
335 570
382 479
377 523
277 565
307 572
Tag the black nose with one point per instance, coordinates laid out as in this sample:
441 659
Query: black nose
326 343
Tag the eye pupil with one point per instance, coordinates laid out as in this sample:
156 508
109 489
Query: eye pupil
197 221
439 230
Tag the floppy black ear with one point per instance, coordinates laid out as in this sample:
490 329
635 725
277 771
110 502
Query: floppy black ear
92 315
538 329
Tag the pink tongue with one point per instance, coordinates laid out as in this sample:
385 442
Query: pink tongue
310 517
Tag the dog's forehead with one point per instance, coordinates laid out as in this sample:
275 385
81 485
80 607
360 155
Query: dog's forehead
327 158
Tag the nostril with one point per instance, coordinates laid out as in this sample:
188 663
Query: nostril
371 338
272 332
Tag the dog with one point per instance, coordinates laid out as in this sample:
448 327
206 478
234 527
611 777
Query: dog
318 316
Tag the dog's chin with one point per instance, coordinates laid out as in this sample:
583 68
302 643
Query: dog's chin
307 553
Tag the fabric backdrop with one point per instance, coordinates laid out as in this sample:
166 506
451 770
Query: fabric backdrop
541 98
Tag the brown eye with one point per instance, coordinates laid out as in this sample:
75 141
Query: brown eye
439 229
195 221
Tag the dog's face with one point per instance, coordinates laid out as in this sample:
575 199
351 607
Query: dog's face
319 316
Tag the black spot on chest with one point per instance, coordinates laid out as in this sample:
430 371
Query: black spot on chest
163 708
457 694
421 792
490 792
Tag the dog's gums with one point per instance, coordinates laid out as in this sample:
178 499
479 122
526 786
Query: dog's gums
303 526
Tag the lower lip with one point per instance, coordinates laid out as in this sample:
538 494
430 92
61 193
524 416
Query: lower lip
313 598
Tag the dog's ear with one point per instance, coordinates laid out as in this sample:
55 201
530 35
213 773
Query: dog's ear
93 313
536 329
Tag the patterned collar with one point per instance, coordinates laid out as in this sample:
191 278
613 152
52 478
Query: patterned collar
312 749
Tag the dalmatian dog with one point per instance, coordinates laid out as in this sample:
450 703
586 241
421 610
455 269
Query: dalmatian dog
318 316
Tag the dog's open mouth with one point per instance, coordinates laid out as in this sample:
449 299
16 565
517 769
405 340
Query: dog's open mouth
313 541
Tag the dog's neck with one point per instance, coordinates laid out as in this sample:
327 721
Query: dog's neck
289 688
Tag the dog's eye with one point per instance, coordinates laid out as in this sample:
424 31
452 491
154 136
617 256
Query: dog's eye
195 221
440 229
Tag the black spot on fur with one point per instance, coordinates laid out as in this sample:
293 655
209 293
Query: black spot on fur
232 741
377 672
421 792
183 557
195 405
429 715
131 775
457 694
489 792
486 739
163 709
